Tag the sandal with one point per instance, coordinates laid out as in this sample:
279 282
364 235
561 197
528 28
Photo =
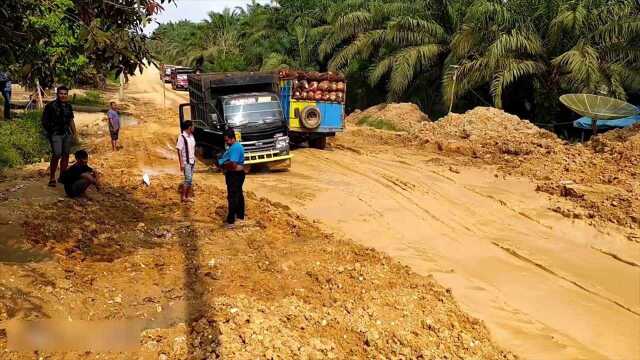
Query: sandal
52 183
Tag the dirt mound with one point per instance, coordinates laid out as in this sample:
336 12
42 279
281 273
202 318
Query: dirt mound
599 175
401 116
487 133
623 144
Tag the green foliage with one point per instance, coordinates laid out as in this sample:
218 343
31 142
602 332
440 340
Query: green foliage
377 123
90 98
516 54
74 41
22 140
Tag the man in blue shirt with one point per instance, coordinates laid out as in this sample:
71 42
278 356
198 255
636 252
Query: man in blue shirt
232 163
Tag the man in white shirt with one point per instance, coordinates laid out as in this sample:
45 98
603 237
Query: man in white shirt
187 157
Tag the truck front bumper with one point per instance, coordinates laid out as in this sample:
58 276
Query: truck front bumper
252 158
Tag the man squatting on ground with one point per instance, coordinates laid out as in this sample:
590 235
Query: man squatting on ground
186 156
79 176
232 163
60 129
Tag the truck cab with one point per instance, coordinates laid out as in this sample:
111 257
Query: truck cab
179 78
246 102
165 72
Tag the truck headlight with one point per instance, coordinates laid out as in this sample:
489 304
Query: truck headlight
282 143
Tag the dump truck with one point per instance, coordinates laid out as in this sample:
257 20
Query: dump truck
246 102
165 72
313 105
179 80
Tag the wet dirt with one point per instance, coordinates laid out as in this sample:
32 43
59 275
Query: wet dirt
548 285
279 286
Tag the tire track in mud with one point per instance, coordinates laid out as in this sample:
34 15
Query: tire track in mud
409 188
542 267
385 185
616 257
507 206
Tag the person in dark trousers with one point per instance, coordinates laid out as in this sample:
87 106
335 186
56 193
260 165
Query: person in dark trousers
79 176
232 163
5 87
60 129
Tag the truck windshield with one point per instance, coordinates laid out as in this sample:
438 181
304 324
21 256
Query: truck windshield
243 111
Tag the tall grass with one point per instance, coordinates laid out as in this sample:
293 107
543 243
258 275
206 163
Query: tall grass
377 123
90 98
22 140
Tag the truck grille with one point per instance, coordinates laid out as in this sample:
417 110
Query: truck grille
258 145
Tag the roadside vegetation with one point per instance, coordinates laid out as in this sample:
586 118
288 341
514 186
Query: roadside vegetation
90 98
377 123
22 140
519 55
74 42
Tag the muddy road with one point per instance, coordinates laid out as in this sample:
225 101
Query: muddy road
547 287
135 274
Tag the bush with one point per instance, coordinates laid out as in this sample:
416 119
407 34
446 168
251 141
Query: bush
377 123
22 141
90 98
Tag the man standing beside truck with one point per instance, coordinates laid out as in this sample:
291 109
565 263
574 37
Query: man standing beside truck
232 163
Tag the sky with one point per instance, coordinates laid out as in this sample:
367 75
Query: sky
194 10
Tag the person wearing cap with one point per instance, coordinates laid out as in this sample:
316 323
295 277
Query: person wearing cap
232 163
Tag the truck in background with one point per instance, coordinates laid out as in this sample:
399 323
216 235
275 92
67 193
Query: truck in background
165 72
246 102
313 105
179 77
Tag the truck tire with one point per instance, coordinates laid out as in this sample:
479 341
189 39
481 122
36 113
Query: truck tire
318 143
311 117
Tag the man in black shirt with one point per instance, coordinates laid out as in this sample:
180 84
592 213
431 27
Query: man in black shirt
57 121
79 176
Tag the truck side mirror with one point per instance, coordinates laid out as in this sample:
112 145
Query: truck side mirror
214 118
181 112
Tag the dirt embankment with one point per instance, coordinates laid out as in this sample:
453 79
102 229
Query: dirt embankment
402 116
601 176
278 287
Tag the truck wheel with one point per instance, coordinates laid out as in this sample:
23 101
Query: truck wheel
318 143
311 117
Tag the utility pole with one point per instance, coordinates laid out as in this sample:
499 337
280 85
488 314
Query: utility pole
40 103
121 92
453 89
